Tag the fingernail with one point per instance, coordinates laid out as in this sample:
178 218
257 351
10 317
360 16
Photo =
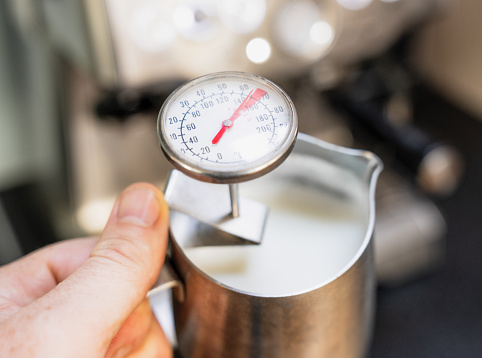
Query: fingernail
139 207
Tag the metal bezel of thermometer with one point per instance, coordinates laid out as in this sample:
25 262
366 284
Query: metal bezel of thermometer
227 127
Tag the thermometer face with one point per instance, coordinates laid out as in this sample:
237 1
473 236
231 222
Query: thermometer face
227 127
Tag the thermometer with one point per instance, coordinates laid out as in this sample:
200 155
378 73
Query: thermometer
227 128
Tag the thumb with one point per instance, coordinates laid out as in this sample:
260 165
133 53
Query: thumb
92 303
132 247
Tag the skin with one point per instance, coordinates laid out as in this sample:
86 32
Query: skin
86 297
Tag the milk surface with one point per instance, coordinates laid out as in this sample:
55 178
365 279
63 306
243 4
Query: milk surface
310 237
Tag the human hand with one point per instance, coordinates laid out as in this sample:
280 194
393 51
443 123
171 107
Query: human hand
86 297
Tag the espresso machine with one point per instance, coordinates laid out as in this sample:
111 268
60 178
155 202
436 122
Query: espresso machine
107 66
101 70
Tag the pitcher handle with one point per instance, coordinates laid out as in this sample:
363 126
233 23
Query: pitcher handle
168 278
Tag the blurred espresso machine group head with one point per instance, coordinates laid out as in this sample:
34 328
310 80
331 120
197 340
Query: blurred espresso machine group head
83 80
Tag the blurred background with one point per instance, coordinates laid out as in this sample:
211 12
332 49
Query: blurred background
81 82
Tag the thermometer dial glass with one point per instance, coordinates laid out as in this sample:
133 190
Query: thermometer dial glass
227 127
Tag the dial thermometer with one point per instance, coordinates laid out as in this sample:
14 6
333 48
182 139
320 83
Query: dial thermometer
227 127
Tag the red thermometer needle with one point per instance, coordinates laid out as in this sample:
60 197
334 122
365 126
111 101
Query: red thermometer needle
247 102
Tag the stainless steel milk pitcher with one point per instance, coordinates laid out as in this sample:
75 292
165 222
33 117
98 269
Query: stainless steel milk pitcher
302 311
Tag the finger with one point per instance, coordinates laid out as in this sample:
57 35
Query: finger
94 301
155 345
31 277
133 332
140 336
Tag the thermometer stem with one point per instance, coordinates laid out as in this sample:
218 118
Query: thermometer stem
233 193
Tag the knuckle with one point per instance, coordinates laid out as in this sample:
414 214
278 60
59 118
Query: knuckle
123 251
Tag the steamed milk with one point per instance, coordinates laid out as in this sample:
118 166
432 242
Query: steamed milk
311 235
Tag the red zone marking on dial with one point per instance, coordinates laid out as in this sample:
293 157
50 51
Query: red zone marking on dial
247 102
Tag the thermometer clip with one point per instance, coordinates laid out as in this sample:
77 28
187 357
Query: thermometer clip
182 195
